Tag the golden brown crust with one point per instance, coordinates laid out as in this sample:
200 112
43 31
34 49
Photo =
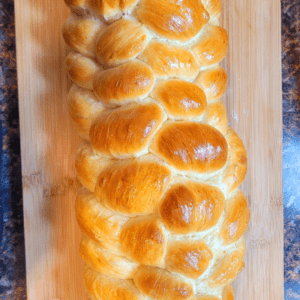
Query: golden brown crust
190 146
82 70
181 99
120 42
227 293
236 167
215 115
229 267
101 287
191 207
76 2
169 61
78 6
144 240
237 217
126 83
161 285
188 258
173 21
109 8
80 33
106 262
83 109
206 297
212 47
213 81
133 186
164 219
213 7
98 223
126 131
89 166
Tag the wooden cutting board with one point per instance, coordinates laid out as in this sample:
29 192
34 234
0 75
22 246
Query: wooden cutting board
48 143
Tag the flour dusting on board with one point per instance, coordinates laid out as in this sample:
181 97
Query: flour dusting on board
235 116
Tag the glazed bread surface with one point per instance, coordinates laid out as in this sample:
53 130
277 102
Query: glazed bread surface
160 210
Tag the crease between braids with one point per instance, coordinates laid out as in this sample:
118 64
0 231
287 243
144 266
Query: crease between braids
160 210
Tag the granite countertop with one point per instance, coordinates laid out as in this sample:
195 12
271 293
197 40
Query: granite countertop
12 254
291 145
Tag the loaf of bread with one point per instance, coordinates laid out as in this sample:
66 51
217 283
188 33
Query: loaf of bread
160 210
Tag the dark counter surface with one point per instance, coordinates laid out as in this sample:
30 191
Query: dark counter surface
12 255
291 145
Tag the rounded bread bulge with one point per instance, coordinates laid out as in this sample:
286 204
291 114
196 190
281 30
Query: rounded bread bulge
81 33
88 166
181 99
121 42
106 262
169 61
78 6
191 207
237 215
212 47
83 109
179 21
97 222
191 146
100 286
227 293
229 267
213 7
160 284
123 84
110 8
213 81
236 168
126 131
215 115
143 239
133 186
82 70
188 258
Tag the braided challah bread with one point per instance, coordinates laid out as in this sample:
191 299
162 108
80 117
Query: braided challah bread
161 213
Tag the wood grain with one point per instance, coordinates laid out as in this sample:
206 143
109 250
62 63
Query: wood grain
254 108
48 144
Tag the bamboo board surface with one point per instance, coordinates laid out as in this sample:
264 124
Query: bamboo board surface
48 145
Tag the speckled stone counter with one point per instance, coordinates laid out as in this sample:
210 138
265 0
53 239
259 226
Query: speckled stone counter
12 253
291 145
